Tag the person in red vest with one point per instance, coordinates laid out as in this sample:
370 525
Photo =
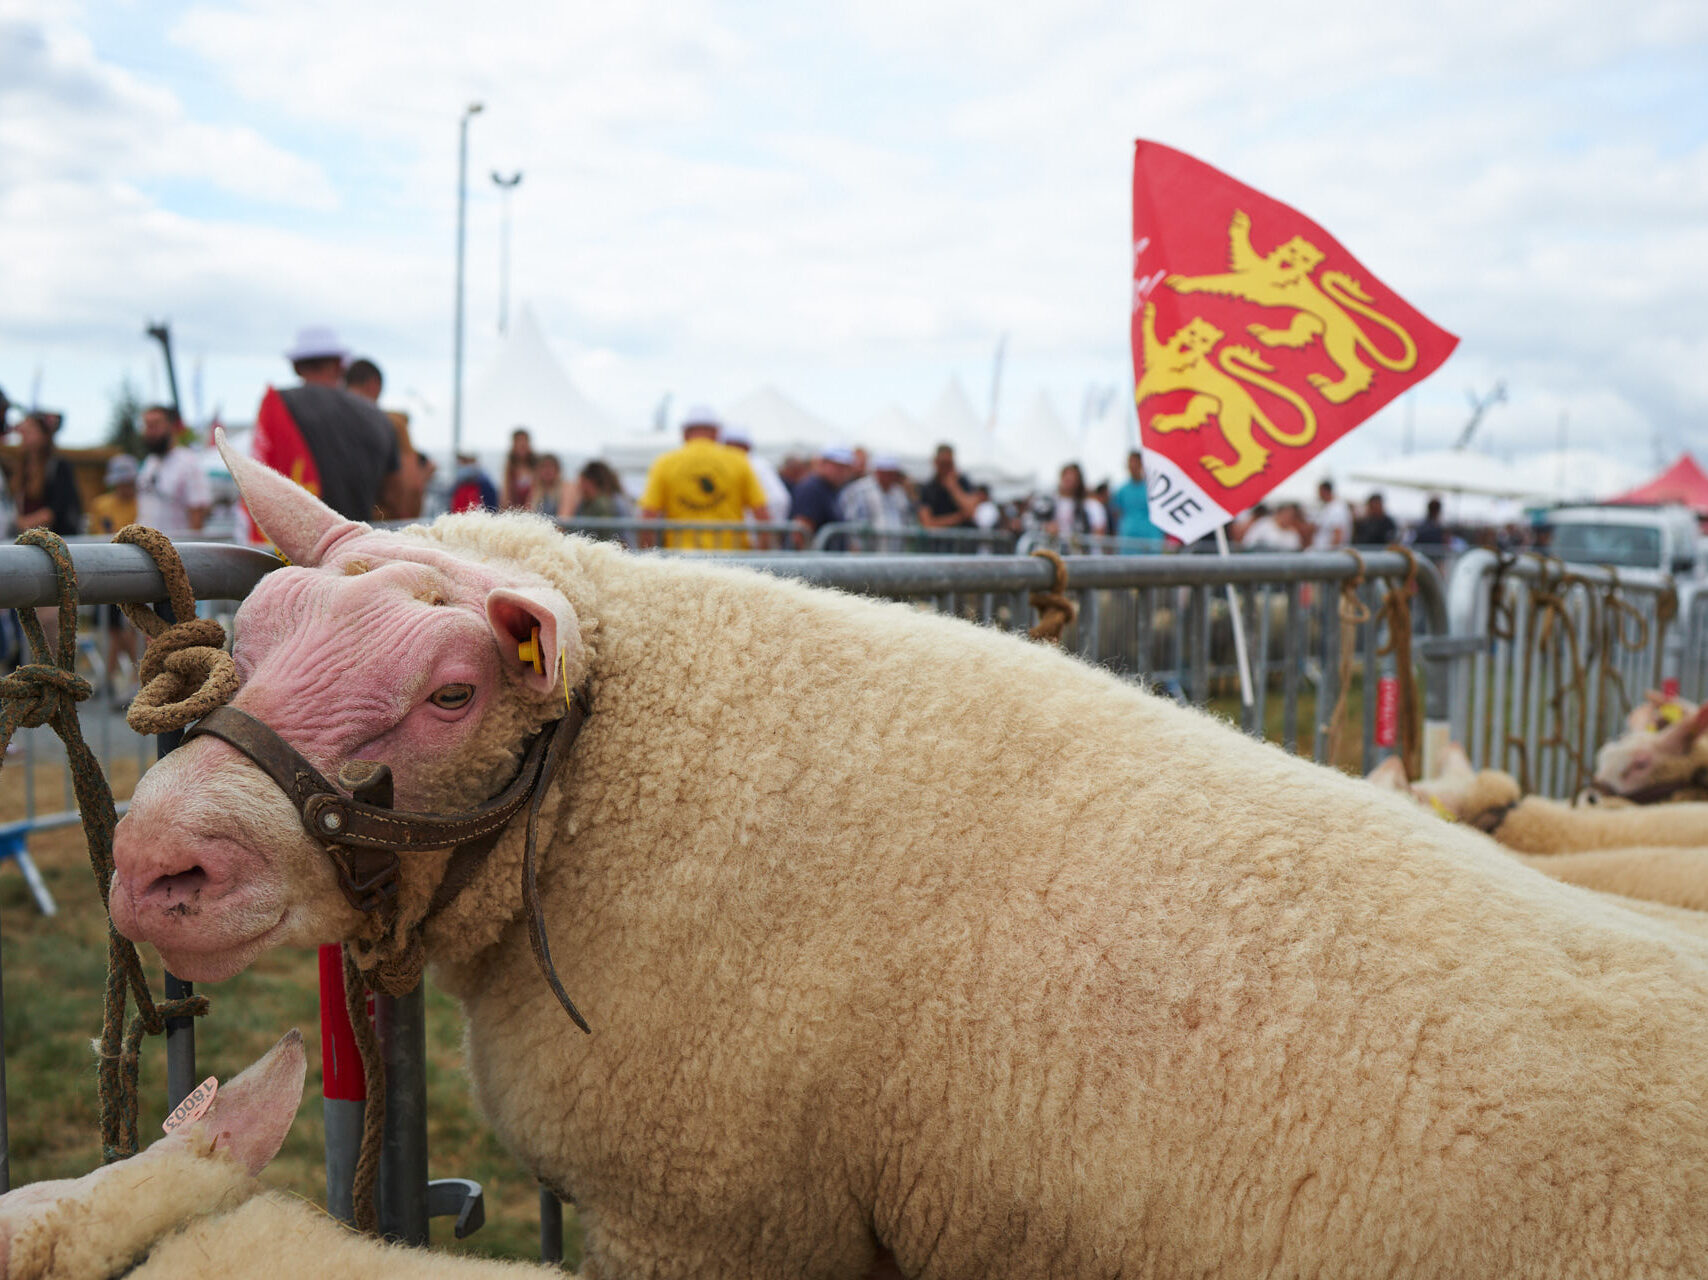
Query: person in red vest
334 443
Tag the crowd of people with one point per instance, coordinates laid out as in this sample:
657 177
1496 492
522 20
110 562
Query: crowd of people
328 432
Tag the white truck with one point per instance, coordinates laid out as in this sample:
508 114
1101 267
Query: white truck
1664 538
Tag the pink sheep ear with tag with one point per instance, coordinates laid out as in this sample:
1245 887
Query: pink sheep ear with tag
300 525
535 629
251 1114
1678 739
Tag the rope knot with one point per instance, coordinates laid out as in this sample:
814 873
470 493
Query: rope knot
186 671
39 693
1055 609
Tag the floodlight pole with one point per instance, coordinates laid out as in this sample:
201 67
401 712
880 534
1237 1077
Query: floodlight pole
469 112
505 187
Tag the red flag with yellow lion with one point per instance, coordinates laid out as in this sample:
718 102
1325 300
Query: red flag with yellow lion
1258 340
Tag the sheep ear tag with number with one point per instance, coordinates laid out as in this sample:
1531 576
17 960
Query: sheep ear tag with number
194 1106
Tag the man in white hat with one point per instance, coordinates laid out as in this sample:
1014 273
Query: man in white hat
703 480
329 440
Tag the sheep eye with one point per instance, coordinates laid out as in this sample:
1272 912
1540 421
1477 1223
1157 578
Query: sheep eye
452 696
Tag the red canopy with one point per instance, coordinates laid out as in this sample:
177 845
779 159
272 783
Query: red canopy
1684 481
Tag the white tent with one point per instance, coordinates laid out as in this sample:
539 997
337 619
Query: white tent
1446 471
1039 440
894 430
952 420
524 386
778 424
1577 475
1107 441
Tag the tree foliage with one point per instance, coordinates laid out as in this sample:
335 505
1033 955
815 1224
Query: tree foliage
124 420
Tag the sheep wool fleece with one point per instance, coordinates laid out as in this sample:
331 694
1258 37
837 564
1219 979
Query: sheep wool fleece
898 932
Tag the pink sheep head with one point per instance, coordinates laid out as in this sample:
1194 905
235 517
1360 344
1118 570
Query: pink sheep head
372 645
1660 749
99 1223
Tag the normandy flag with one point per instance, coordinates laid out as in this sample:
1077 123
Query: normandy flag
1258 340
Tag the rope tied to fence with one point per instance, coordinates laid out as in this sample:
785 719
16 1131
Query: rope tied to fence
47 693
1354 613
1395 615
1055 609
1552 636
185 670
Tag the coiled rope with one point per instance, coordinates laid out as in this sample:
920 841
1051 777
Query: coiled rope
1055 609
46 692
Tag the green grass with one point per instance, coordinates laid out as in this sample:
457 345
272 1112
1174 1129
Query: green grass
54 973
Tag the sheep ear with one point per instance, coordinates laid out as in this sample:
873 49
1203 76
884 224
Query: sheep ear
1681 736
1455 764
299 524
515 616
1643 714
1390 775
251 1114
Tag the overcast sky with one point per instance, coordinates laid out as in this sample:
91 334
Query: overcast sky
851 204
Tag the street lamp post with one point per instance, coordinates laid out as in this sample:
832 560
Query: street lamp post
469 112
505 187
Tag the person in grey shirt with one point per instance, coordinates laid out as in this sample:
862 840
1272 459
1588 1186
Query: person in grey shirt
353 443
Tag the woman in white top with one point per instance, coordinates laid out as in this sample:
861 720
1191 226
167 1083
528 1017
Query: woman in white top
1077 512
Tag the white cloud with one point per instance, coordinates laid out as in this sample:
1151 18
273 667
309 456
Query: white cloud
854 203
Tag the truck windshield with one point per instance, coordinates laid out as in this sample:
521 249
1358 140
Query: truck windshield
1623 545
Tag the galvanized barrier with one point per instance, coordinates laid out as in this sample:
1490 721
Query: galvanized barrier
1692 672
1557 654
1082 544
914 539
1165 621
692 535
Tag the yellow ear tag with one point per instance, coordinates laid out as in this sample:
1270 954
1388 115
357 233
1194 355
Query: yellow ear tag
563 672
529 651
1670 713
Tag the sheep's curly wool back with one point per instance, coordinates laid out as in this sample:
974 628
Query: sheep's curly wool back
897 930
900 934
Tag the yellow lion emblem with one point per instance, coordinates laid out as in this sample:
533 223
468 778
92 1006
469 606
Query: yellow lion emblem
1183 364
1282 278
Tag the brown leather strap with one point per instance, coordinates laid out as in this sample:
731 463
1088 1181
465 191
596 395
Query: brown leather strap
337 819
530 886
368 872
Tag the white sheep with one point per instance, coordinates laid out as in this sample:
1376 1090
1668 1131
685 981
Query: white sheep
899 936
1663 754
189 1207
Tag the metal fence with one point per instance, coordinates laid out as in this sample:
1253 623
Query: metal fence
1168 622
1499 652
1556 655
1692 650
910 540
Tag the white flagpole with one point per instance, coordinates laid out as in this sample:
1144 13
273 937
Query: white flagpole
1239 624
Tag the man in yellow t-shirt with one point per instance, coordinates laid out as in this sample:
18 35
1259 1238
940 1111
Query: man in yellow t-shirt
703 480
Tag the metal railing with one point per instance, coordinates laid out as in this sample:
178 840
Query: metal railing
1693 651
1554 656
913 539
691 535
1166 621
1108 544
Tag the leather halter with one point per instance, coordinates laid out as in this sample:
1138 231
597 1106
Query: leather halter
1660 791
362 834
